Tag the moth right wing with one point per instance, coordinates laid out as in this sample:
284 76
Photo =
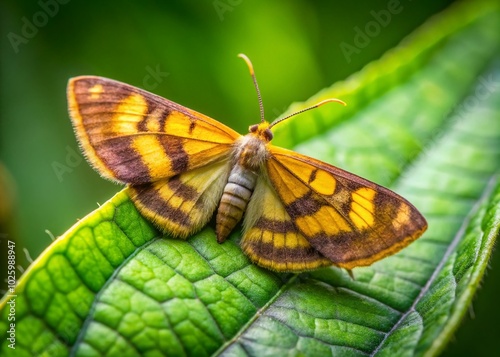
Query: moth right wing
135 137
350 220
270 238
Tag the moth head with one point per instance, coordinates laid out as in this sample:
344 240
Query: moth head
262 131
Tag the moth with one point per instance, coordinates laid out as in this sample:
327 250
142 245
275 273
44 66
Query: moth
181 167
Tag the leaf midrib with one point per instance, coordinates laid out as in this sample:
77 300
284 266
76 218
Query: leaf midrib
259 313
449 251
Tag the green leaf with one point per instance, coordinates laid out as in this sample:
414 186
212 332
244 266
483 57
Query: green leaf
422 120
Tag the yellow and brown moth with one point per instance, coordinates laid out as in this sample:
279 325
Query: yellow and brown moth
182 166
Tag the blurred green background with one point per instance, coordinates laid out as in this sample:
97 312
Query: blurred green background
185 51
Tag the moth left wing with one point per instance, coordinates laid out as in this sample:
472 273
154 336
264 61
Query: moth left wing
183 204
350 220
270 238
133 136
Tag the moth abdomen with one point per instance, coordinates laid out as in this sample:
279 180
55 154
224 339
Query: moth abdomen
234 201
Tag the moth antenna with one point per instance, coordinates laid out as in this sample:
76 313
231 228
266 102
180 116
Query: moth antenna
306 109
252 73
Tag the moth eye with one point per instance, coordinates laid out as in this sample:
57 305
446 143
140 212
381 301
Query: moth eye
268 135
253 128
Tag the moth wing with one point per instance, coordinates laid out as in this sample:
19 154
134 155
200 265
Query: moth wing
133 136
182 204
350 220
270 238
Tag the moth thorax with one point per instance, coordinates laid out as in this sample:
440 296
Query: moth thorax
250 152
237 192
